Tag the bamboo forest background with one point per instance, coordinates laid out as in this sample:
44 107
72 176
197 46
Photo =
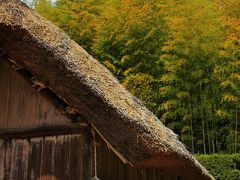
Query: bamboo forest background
180 57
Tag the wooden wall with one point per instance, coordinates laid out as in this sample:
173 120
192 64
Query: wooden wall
61 154
21 106
110 167
62 157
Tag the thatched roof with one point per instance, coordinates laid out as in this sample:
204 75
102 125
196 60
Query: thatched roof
133 132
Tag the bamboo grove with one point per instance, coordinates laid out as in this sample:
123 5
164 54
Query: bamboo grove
180 57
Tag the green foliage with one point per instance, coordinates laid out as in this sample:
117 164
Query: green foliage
194 37
76 17
144 87
222 166
130 36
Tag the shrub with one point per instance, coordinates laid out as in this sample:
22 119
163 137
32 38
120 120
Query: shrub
222 166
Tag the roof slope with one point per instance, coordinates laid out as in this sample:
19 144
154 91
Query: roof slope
134 132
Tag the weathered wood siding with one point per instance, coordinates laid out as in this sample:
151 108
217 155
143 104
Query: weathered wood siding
37 142
110 167
63 157
21 106
55 157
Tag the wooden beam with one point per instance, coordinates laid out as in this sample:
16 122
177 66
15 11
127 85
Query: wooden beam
42 131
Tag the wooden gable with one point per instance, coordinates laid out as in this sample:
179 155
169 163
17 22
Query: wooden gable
37 141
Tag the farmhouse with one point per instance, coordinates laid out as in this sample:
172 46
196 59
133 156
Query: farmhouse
63 116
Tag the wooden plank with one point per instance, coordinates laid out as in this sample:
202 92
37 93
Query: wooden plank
2 157
66 151
35 158
59 160
48 156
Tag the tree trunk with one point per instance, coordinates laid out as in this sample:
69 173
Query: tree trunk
213 132
208 136
192 142
236 131
203 123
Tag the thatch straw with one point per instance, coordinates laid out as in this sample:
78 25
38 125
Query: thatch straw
76 77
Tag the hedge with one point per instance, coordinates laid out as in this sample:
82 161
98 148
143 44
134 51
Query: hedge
222 166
